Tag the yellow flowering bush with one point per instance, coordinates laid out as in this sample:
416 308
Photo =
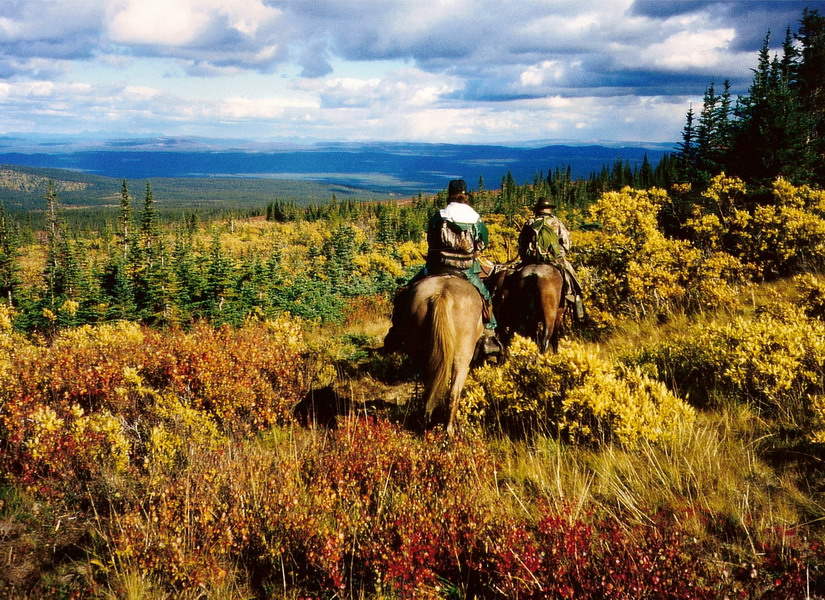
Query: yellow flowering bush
367 264
725 195
504 234
411 253
773 361
817 428
630 267
104 442
812 295
782 235
178 428
6 317
577 393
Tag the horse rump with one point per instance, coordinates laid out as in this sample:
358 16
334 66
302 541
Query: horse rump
529 301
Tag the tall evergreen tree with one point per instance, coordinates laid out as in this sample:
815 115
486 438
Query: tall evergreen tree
117 287
54 256
187 293
219 282
340 252
125 218
771 138
9 253
645 174
724 123
686 150
810 84
149 218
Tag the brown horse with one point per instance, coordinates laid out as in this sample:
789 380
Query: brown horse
529 301
440 318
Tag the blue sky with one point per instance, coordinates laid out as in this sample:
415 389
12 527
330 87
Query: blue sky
463 71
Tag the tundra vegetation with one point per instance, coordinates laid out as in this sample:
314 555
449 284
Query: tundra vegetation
155 440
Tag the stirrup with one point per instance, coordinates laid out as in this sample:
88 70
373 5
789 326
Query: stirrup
489 344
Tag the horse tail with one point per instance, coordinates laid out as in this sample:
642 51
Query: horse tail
442 350
531 317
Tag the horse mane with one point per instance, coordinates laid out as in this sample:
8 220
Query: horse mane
442 350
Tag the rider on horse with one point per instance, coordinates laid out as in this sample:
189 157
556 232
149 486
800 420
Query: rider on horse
545 239
455 237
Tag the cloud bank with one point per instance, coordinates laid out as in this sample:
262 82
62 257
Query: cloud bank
426 70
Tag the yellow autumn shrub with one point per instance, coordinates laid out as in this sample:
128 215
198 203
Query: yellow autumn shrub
777 236
103 399
411 253
811 289
773 361
372 262
102 441
629 266
575 392
178 428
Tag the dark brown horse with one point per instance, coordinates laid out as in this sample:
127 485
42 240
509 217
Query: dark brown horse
440 318
529 301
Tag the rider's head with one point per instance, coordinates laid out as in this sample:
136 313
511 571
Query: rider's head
544 206
457 191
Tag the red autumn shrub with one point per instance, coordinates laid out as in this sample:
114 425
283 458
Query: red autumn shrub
372 507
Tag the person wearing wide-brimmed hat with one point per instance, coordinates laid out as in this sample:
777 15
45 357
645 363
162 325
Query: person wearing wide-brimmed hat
456 235
545 239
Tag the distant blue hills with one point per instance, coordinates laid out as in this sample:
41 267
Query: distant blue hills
377 167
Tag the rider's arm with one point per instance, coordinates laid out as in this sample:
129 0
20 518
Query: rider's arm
482 236
562 232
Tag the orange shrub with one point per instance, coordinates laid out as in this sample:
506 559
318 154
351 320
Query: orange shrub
102 399
252 376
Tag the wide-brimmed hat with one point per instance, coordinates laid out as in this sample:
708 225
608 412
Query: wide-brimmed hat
457 187
544 203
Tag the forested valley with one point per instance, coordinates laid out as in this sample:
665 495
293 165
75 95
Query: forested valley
194 405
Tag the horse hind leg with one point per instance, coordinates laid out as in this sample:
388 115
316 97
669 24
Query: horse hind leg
557 324
431 400
544 335
461 370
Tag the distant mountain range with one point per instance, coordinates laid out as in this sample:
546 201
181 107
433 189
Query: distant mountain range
377 167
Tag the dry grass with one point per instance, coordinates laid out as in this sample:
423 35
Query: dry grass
710 476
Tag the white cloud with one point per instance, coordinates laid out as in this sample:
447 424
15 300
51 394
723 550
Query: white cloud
247 16
691 49
261 108
182 23
141 92
156 22
535 75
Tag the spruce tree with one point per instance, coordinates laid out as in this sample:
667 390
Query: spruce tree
645 174
149 218
340 251
810 85
125 218
187 294
54 257
156 286
116 284
218 288
9 252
